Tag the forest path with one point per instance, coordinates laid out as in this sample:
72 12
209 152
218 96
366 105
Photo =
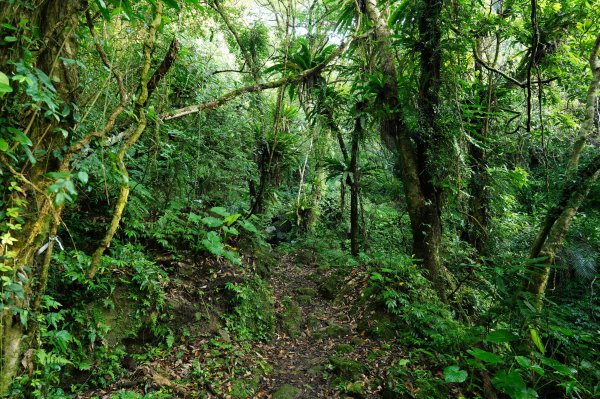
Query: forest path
318 352
315 352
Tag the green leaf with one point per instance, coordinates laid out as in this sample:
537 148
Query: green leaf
4 85
213 244
538 370
249 227
172 4
10 39
454 374
3 145
219 210
535 337
486 356
231 230
170 340
558 366
29 154
9 26
523 362
512 384
83 177
20 137
194 218
229 220
103 10
501 336
212 221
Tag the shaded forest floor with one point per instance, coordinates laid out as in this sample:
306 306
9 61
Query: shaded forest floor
316 350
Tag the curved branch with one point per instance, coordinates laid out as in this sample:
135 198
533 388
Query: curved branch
507 77
256 87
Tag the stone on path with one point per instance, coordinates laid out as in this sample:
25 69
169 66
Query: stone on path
286 392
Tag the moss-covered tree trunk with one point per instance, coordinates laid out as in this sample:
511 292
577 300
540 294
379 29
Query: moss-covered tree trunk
355 186
147 83
56 21
559 218
415 149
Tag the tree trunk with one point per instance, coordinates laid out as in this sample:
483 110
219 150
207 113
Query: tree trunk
476 231
556 226
147 85
422 196
355 187
57 22
558 219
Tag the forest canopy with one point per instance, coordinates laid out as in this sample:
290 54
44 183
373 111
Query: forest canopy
299 198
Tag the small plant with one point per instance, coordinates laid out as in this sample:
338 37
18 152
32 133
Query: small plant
214 231
254 314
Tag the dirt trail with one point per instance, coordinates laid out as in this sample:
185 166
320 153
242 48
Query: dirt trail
318 357
316 351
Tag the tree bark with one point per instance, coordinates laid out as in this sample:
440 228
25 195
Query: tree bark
146 84
57 22
355 185
414 148
559 218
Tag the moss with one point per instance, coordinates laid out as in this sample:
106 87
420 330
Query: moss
286 392
333 330
374 354
245 388
305 295
264 262
379 326
344 348
355 389
312 322
291 318
330 287
346 369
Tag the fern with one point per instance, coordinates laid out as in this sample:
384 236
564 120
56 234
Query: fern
50 359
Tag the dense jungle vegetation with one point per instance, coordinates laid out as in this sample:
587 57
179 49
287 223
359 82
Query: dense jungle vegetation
299 199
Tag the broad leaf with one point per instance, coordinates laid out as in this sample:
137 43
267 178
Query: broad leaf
486 356
454 374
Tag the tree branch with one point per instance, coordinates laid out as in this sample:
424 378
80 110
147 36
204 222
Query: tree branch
256 88
164 66
507 77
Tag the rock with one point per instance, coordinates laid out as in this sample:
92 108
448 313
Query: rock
224 336
333 330
291 318
346 369
306 295
286 392
330 287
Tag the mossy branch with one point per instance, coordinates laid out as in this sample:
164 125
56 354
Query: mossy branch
142 122
192 109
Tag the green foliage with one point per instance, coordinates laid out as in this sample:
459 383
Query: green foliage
123 394
193 179
396 284
455 374
80 327
214 231
253 311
